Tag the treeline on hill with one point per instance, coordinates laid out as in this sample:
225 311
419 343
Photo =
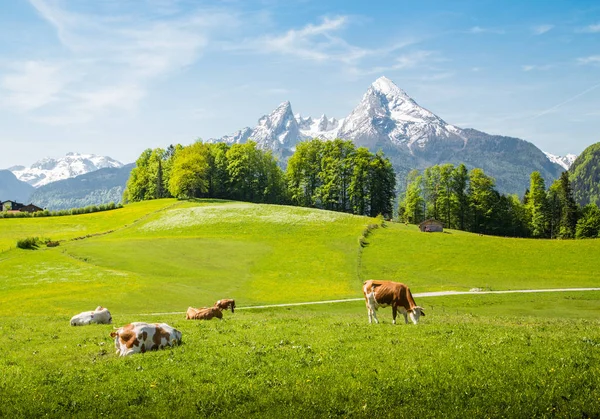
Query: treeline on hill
468 200
333 175
59 213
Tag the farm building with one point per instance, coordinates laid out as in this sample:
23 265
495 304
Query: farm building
14 206
10 206
431 226
31 208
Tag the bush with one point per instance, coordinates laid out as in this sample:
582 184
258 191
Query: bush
28 243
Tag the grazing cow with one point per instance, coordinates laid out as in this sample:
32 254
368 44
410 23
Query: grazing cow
101 316
141 337
226 304
388 293
205 313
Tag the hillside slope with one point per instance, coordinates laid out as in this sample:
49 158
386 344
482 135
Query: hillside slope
193 253
585 176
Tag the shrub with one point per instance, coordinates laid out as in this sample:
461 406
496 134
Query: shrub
28 243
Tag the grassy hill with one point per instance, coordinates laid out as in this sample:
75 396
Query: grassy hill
484 355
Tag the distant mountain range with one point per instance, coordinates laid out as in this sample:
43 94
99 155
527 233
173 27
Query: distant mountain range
411 136
50 170
94 188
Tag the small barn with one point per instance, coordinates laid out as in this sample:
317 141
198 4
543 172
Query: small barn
31 208
431 226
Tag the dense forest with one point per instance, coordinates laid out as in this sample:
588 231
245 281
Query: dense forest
332 175
468 200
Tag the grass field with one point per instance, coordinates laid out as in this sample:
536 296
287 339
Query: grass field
517 355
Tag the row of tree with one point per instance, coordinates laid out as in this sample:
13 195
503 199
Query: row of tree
333 175
468 200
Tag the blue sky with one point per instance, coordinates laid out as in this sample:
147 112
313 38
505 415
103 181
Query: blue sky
114 77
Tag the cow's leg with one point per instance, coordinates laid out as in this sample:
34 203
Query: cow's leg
405 316
374 311
394 313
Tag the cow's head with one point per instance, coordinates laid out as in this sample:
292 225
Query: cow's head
415 313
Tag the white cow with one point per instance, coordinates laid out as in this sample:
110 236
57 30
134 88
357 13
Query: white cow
101 316
139 337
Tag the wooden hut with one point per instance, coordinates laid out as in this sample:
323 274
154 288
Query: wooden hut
431 226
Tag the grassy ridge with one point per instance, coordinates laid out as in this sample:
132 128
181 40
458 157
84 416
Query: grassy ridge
193 254
68 227
459 261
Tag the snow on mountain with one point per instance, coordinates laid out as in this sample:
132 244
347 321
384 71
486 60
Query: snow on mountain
564 161
50 170
281 130
387 111
388 119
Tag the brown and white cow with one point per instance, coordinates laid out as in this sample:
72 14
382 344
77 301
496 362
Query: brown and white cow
100 316
226 304
141 337
205 313
388 293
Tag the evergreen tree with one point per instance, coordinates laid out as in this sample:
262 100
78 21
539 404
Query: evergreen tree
460 198
382 186
482 197
537 205
445 201
569 208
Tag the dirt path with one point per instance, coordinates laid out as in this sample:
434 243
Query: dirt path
422 294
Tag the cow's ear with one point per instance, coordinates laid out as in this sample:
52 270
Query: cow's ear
113 334
422 313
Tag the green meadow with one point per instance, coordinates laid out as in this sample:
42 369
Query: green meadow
488 355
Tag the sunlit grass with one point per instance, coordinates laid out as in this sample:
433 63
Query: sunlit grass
459 261
517 355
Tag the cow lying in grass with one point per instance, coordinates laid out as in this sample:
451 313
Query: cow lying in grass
226 304
206 313
101 316
388 293
141 337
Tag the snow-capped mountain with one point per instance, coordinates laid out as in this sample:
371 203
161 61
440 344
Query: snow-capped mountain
386 111
564 161
388 119
50 170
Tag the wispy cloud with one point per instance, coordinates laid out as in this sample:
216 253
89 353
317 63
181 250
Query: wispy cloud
320 43
571 99
405 61
531 67
541 29
32 85
590 28
115 59
479 30
592 59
